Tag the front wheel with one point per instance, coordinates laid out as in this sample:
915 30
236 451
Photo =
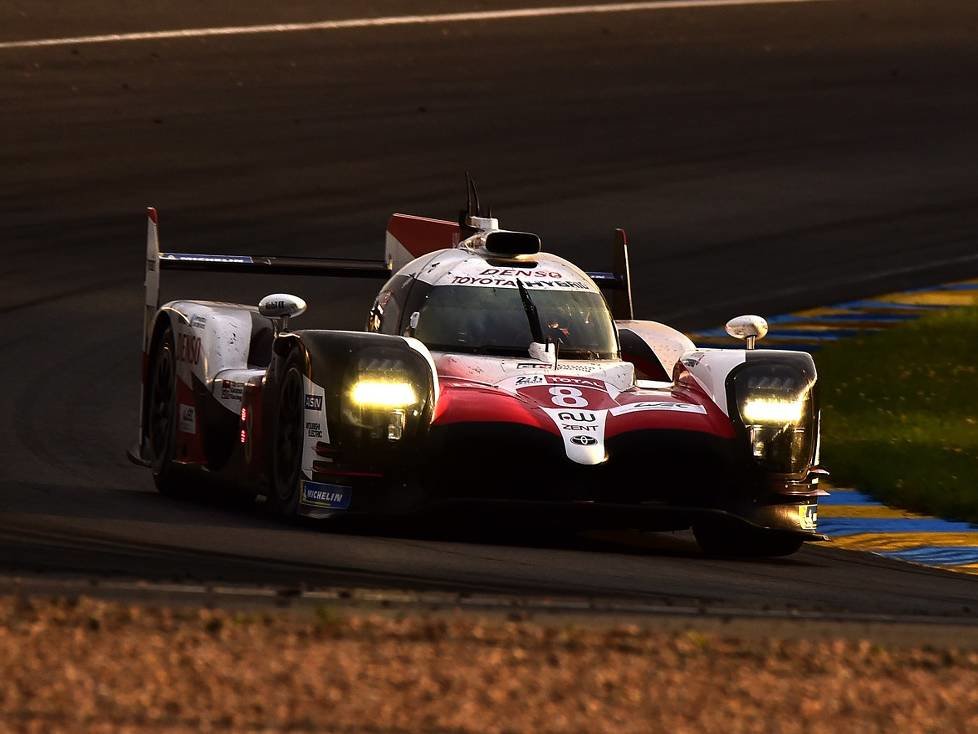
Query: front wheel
287 439
727 540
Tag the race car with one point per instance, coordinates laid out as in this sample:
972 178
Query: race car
489 374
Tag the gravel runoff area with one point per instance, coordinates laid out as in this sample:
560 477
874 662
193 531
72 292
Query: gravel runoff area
88 665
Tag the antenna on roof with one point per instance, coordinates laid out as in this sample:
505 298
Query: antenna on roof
468 196
475 195
471 220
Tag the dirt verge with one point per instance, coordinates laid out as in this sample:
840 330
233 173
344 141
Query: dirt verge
106 666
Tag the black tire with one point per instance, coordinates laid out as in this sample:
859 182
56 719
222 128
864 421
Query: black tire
161 417
728 540
287 439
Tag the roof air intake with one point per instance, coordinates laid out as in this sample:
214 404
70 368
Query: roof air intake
503 242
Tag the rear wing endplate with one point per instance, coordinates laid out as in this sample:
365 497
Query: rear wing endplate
617 285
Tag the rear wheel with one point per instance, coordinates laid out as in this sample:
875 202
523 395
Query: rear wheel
729 540
287 439
161 416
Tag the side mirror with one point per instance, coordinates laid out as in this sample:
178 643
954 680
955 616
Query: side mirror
413 322
750 328
280 307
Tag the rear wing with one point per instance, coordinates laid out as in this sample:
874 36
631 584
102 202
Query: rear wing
157 261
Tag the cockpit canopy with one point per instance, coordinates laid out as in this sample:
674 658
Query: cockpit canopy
493 321
463 304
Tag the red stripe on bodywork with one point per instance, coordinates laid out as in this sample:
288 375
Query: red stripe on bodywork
421 235
714 422
458 404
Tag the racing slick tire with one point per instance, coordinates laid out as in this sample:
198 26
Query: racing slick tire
161 418
735 540
287 439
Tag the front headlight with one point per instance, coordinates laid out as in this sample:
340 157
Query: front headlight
773 411
383 394
777 409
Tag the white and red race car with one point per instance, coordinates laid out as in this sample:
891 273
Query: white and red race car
490 373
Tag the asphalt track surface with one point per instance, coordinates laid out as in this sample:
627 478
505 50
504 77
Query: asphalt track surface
762 159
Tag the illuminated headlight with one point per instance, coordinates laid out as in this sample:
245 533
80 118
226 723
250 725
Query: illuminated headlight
776 407
381 394
773 411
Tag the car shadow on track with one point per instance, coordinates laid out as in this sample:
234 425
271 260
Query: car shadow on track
44 505
499 532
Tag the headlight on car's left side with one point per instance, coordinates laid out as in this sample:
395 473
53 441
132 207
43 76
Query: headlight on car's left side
775 403
765 410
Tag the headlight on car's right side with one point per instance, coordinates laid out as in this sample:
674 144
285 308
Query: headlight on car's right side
383 394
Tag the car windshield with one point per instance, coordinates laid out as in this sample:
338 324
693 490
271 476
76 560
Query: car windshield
493 321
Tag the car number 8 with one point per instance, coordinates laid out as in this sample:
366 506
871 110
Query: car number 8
568 397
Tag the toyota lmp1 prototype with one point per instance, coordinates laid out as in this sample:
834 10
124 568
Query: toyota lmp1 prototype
489 373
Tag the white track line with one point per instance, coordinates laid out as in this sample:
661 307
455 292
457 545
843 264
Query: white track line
395 20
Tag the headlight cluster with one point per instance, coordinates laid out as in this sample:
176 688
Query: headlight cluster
776 405
383 396
773 411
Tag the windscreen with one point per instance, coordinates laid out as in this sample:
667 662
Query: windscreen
494 321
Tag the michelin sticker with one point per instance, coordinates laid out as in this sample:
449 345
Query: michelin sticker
328 496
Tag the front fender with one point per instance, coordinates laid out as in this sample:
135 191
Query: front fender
335 360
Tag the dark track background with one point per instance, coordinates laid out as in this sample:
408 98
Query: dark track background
761 158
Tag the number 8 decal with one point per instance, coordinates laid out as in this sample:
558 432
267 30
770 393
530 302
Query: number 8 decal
568 397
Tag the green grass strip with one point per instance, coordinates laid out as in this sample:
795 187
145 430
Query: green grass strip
900 413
